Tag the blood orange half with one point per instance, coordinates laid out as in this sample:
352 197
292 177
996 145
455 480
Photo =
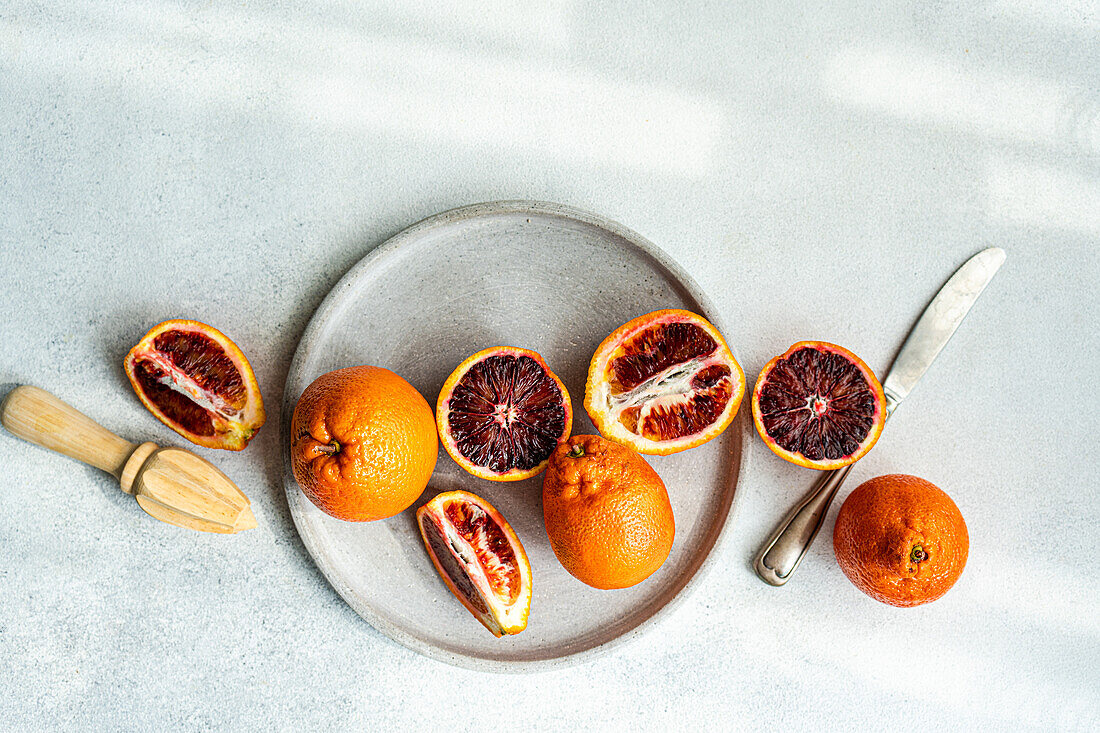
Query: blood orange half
197 382
818 405
479 558
502 412
663 383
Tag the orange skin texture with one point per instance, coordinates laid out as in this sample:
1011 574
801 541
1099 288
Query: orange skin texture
607 513
599 374
363 443
233 434
881 523
798 458
443 423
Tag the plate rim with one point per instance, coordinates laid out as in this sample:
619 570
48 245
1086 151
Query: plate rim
316 325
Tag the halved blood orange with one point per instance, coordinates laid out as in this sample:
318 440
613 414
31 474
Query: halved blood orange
480 559
663 383
197 382
818 405
502 412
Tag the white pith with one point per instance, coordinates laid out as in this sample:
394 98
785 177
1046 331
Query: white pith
505 415
179 382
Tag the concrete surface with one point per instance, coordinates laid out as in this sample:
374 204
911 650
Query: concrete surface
820 172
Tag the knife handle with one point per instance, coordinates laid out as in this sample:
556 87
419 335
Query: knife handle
788 544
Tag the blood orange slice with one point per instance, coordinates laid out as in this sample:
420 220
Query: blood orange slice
663 383
480 559
197 382
818 405
502 412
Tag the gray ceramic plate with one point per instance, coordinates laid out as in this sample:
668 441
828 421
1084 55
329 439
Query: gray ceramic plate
536 275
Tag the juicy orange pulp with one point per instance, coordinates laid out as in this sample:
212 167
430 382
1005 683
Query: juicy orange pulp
818 405
502 412
195 380
663 383
479 558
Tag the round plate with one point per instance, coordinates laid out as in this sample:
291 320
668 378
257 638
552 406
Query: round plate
537 275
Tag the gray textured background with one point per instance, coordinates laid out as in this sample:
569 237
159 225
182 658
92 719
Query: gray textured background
819 172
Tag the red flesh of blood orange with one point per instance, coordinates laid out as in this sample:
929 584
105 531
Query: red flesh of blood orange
502 412
663 383
479 558
197 382
818 405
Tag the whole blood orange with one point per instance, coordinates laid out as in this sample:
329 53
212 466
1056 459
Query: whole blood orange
195 380
663 383
818 405
901 540
363 443
502 412
607 512
480 559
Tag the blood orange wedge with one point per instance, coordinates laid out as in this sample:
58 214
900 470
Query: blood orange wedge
480 559
818 405
197 382
663 383
502 412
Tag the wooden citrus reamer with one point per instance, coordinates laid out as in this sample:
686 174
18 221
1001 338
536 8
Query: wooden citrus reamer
172 484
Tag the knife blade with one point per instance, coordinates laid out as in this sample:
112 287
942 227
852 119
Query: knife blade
938 323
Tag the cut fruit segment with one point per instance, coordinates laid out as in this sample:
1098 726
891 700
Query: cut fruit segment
818 405
195 380
479 558
502 412
663 383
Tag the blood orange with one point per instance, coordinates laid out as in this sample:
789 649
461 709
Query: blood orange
362 443
818 405
197 382
607 513
502 412
663 383
901 540
480 559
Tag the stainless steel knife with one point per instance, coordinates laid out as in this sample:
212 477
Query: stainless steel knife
780 556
